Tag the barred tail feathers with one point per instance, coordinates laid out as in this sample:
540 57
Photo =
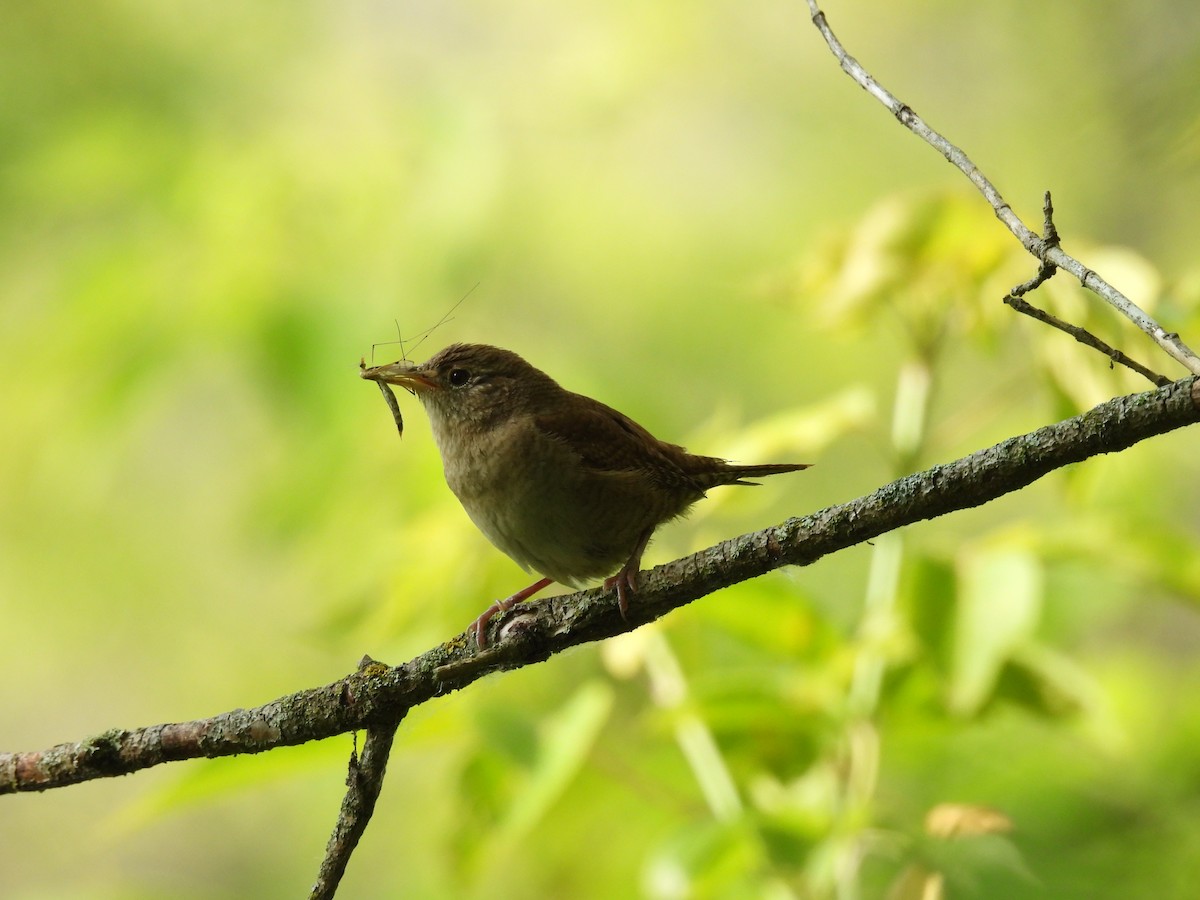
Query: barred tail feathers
734 474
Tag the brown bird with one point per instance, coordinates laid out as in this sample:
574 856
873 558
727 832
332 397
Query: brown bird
566 486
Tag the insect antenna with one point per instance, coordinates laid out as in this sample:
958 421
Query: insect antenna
420 336
448 317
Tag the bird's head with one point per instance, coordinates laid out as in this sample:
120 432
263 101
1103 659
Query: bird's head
469 384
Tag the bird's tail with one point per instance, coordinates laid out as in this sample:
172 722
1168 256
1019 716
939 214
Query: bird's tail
734 474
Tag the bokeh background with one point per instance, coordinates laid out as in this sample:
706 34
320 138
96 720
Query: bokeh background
209 212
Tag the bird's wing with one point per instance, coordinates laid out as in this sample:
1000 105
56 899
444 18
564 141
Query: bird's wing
610 442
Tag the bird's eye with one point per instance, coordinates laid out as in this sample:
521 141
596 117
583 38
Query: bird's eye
459 377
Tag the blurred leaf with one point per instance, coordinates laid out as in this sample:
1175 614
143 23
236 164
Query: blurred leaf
1153 552
1047 682
799 435
935 260
809 429
795 814
931 586
510 734
917 883
519 769
207 216
965 860
947 820
762 730
765 620
565 739
999 604
703 860
956 868
208 781
963 844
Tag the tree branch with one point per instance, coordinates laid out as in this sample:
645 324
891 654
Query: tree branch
1045 251
376 697
1044 273
1084 337
364 781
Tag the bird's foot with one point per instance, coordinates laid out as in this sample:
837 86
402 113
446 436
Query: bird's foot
478 628
626 583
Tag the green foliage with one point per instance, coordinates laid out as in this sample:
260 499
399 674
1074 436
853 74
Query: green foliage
207 218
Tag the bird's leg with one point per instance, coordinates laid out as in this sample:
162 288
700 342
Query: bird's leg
626 580
479 626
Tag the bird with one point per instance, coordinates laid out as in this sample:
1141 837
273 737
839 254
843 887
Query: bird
566 486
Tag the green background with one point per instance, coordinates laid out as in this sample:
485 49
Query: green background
210 212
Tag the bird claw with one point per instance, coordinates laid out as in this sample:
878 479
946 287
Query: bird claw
478 628
626 583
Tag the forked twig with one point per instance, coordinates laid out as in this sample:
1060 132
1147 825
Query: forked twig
1084 337
364 781
1044 273
1047 253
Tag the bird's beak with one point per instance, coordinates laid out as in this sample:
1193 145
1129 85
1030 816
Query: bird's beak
402 373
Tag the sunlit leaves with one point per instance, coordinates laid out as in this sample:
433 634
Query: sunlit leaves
934 265
209 217
521 768
998 605
961 843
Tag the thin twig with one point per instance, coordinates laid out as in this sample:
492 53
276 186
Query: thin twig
1085 337
364 780
1037 246
1044 273
533 631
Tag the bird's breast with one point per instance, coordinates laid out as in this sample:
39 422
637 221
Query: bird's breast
531 496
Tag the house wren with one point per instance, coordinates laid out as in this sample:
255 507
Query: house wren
566 486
